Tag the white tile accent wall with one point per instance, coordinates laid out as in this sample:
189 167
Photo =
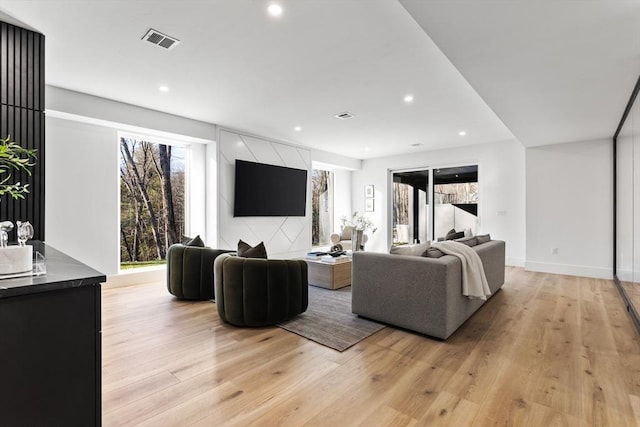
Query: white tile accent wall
284 237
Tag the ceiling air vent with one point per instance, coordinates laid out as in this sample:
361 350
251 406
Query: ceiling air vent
159 39
344 116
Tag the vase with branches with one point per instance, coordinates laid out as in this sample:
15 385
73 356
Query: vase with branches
358 224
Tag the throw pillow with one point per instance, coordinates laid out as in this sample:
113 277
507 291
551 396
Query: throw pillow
434 253
468 232
454 236
450 233
196 241
413 250
483 239
469 241
245 250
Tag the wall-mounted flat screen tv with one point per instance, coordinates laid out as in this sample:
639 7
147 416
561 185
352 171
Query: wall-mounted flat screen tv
269 190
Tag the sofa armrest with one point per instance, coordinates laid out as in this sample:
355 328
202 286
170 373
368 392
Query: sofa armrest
492 254
408 291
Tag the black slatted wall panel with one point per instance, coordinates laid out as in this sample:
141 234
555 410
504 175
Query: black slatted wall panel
22 117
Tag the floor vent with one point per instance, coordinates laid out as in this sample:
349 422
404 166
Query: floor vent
159 39
344 116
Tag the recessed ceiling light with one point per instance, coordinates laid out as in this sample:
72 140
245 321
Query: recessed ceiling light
462 133
408 98
163 88
366 148
274 9
297 128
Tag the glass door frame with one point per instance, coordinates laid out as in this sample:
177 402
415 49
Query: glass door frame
430 196
633 311
390 173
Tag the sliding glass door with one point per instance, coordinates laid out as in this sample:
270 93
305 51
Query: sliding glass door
627 207
429 203
410 207
455 200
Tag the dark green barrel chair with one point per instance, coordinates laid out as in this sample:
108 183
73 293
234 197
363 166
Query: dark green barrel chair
190 271
260 292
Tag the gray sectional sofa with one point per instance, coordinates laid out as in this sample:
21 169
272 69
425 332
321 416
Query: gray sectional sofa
420 293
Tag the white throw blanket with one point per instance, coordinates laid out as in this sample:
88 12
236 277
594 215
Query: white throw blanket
474 281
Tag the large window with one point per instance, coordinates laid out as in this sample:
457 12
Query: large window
152 200
454 192
321 207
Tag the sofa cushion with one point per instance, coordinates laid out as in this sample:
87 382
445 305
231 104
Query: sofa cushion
413 250
196 241
484 238
469 241
433 253
245 250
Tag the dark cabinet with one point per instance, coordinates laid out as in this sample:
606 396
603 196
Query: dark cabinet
50 347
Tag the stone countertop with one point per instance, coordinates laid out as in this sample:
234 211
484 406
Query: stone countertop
62 272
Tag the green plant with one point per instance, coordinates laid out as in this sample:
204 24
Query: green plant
358 222
13 158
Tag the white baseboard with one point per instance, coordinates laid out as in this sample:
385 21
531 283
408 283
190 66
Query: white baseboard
571 270
514 262
137 276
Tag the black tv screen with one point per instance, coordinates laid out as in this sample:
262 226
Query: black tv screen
269 190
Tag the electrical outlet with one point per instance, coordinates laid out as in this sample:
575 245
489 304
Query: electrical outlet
554 251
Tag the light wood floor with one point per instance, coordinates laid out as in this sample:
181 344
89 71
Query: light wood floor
545 350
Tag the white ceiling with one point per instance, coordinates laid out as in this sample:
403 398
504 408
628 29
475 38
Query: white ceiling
551 71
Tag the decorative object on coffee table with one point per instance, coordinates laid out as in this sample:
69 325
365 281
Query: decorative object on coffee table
358 225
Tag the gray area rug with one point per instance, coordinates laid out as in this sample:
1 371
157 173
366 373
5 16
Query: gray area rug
329 321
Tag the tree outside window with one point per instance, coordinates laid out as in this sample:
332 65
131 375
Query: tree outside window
321 207
152 200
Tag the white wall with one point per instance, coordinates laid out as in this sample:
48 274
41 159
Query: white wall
82 205
501 175
569 207
283 237
82 176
